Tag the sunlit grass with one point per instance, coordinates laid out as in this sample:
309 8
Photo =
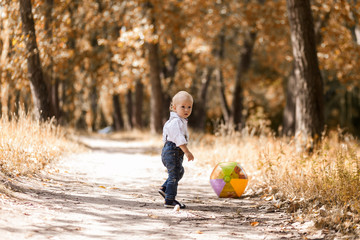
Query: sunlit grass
27 146
324 185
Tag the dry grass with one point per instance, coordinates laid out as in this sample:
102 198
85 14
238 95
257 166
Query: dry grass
323 186
27 146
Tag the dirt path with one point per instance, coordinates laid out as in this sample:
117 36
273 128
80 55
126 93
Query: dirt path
111 193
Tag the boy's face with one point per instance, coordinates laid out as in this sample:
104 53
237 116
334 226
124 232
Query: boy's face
183 107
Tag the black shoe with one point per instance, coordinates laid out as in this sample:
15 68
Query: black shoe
173 203
161 191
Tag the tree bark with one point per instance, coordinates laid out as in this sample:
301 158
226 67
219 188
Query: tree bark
129 108
156 97
243 67
37 84
199 119
355 28
55 102
139 98
118 121
94 103
220 79
154 61
289 110
309 122
3 73
53 82
169 73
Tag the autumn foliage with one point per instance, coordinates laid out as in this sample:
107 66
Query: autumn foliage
93 50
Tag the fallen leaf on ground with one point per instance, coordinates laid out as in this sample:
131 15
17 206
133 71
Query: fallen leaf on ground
254 224
153 216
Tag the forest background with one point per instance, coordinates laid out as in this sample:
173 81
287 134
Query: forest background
92 64
100 58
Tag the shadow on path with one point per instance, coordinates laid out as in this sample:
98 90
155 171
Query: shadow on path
111 193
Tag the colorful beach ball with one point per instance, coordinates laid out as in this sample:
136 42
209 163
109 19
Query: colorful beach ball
229 180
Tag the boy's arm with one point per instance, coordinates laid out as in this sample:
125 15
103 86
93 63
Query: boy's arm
188 154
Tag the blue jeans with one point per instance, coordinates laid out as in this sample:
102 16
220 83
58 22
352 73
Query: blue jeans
172 158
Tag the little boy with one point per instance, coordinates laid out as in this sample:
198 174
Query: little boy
175 137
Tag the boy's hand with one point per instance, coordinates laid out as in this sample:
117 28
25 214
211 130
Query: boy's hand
189 156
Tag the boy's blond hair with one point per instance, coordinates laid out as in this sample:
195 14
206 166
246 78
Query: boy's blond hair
179 96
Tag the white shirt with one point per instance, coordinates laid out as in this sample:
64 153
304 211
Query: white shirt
175 130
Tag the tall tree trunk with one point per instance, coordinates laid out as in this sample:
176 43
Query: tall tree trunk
355 33
289 110
154 61
4 100
102 122
66 86
169 72
53 83
129 108
309 122
93 68
37 84
156 97
94 104
139 98
55 102
118 121
16 103
220 79
243 68
3 73
354 28
199 119
290 89
81 121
